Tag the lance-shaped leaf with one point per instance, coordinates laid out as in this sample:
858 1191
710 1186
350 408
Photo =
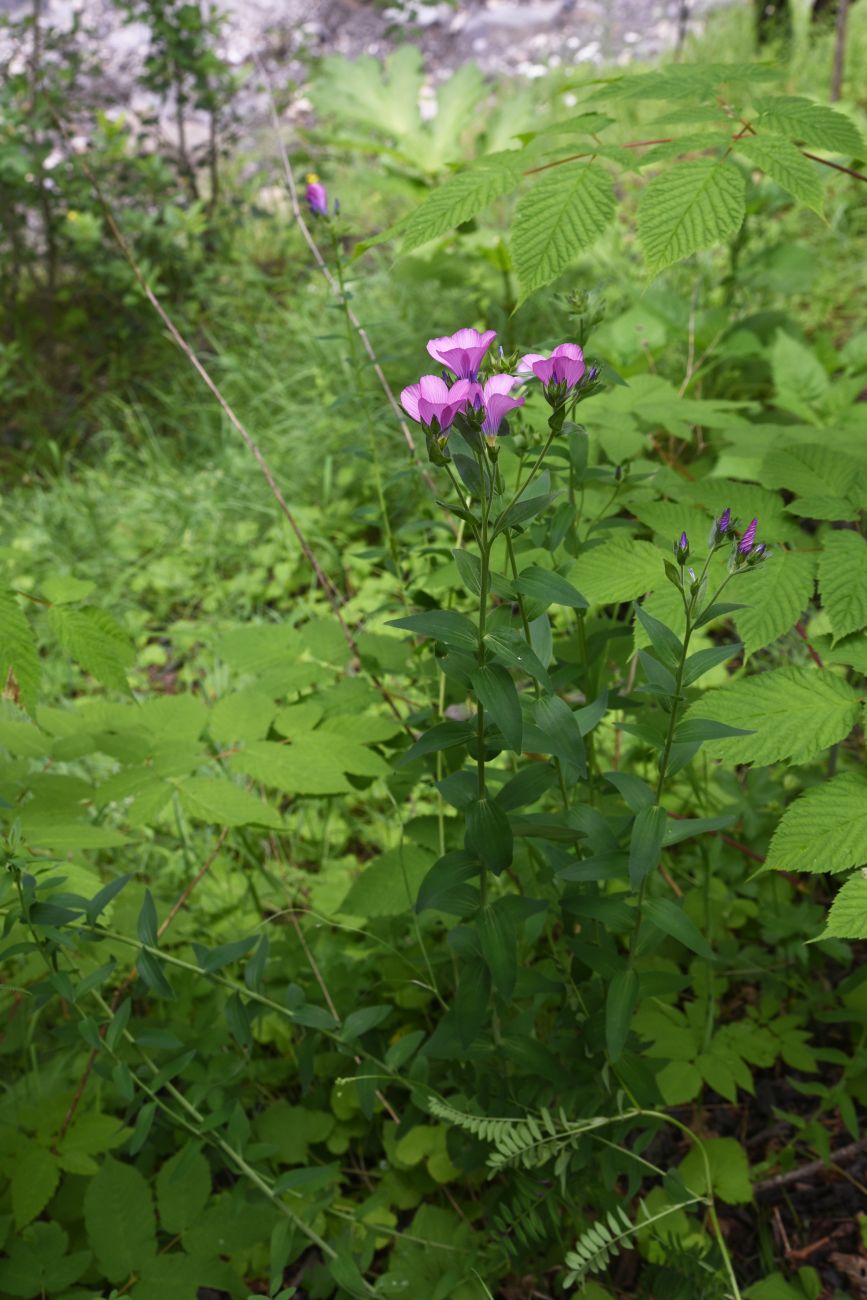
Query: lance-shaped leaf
645 842
445 625
495 689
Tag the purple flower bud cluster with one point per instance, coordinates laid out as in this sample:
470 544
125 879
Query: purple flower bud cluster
481 406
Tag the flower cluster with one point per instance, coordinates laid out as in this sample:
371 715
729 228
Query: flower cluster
744 553
477 405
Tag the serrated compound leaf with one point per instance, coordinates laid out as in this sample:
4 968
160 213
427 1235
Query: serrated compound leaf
692 206
801 382
119 1215
827 481
825 829
222 803
19 656
561 216
776 595
35 1174
847 918
786 165
813 124
460 198
843 581
793 712
618 570
96 642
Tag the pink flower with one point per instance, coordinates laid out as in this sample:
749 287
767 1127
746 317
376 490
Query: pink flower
462 352
564 366
432 399
495 400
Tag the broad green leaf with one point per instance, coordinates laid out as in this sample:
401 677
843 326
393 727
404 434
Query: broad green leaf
471 1000
561 216
645 842
793 712
65 589
801 382
843 581
618 570
787 166
18 652
496 690
620 1003
362 1021
35 1174
847 918
691 206
445 625
37 1263
489 835
813 124
829 484
119 1215
183 1187
729 1171
387 886
825 829
776 595
243 715
460 198
222 803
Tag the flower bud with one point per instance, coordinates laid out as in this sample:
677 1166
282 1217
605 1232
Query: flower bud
317 196
681 549
720 528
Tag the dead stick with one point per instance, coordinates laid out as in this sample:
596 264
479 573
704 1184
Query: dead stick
842 1156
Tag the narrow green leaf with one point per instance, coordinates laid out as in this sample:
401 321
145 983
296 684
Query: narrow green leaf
620 1004
645 843
499 946
445 625
489 835
558 725
549 588
446 886
672 920
511 647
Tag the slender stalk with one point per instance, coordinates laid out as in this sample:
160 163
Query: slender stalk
485 550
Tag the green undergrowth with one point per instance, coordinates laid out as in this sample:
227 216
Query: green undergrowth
504 936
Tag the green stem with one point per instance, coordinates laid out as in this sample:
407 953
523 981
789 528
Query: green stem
485 552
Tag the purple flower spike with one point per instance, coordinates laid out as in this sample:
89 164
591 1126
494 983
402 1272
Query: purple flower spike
745 545
497 403
317 196
564 366
431 399
724 522
462 352
684 542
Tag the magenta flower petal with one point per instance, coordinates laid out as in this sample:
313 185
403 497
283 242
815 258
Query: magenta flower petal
564 366
496 407
409 401
317 198
746 542
463 351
